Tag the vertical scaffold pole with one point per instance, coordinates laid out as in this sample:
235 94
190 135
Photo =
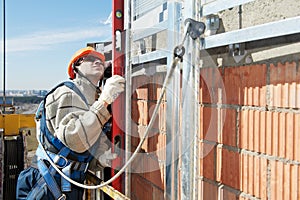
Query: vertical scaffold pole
190 120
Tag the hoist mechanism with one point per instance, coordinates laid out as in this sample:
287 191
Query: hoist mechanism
194 29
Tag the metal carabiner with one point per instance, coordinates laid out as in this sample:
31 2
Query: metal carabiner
179 52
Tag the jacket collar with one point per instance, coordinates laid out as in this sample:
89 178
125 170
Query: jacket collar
86 87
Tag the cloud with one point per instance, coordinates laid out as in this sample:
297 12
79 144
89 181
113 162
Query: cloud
44 40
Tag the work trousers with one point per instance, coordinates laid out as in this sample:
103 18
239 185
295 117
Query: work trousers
28 179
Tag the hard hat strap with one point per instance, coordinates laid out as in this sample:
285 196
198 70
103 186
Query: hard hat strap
81 74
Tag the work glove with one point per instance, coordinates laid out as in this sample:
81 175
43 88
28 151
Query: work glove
113 87
106 158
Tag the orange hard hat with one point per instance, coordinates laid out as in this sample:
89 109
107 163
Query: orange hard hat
82 53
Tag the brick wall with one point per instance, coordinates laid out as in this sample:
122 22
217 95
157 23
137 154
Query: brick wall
148 168
249 131
254 142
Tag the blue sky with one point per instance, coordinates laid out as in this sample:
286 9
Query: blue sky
41 37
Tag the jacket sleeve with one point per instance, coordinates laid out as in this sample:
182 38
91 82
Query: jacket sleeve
74 123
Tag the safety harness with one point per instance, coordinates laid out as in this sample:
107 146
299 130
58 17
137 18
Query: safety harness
72 164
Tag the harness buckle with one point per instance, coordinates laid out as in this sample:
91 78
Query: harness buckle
59 164
62 197
77 166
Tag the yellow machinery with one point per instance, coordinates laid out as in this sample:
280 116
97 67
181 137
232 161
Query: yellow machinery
13 128
12 123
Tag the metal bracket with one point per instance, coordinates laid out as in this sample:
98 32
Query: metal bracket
195 28
237 51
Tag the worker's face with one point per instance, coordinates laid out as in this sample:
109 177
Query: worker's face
92 68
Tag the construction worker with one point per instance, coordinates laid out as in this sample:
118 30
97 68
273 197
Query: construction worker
71 120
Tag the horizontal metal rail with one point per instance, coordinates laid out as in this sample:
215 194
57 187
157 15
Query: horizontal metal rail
263 31
151 56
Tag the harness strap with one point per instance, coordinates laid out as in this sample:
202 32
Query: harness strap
50 181
37 190
66 185
62 162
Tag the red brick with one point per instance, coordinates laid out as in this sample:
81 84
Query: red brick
228 127
206 80
140 86
290 131
135 114
276 180
285 180
142 93
243 134
207 161
159 80
155 177
141 132
248 130
210 80
141 112
229 167
295 182
142 189
233 85
219 164
263 178
254 175
297 96
251 175
282 135
293 95
284 82
251 129
275 134
155 85
262 133
260 177
153 143
246 85
281 130
227 195
244 173
209 123
296 137
134 142
208 191
269 135
256 132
